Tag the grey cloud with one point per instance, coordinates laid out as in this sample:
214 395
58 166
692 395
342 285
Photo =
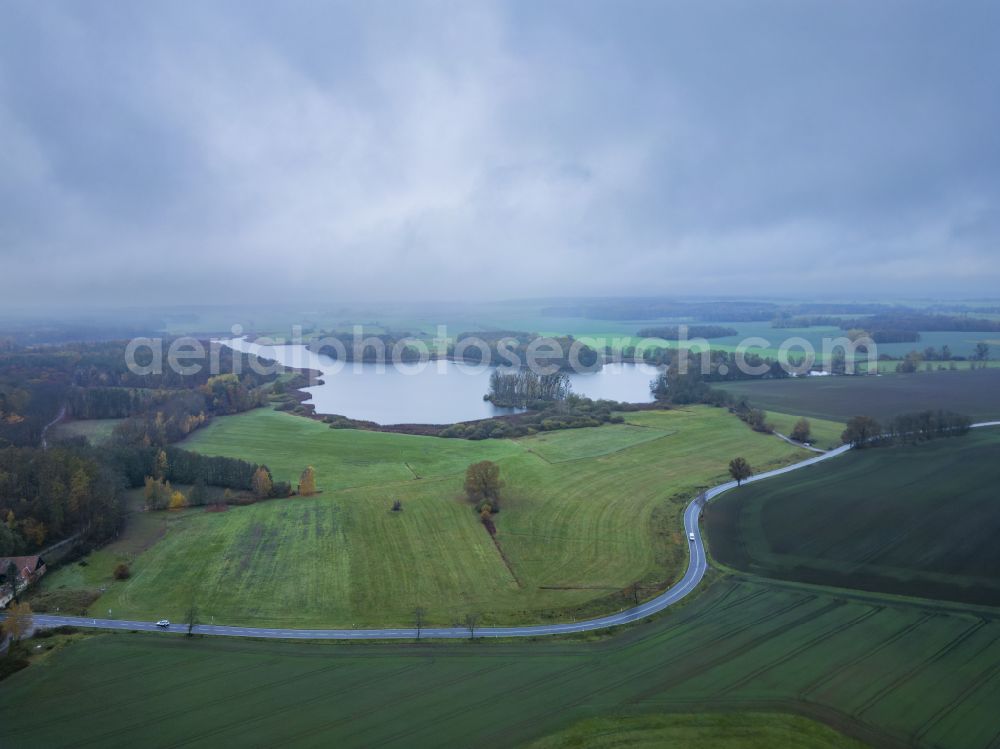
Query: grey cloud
189 152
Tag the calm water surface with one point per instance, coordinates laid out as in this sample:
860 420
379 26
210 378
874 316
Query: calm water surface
437 392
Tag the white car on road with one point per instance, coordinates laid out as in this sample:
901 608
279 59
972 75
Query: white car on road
163 623
690 537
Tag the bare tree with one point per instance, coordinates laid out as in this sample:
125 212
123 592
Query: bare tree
191 617
471 620
633 591
419 613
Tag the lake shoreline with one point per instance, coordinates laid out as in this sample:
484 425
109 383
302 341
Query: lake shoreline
420 399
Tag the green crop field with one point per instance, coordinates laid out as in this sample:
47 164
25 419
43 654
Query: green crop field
976 393
702 731
585 514
920 520
890 673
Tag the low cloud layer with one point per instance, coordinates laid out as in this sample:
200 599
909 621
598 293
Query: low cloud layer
185 153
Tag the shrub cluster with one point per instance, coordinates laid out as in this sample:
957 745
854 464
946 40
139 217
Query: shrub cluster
573 413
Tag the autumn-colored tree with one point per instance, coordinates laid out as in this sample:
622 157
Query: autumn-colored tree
18 621
34 530
802 431
483 483
79 490
161 465
157 493
740 470
177 501
262 483
307 482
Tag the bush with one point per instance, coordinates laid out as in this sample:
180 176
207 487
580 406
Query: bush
11 665
122 572
63 629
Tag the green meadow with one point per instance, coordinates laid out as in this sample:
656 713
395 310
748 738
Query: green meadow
585 514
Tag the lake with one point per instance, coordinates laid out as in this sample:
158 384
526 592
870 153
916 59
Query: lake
435 392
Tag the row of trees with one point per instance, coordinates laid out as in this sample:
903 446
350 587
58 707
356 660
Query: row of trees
160 495
672 332
914 359
862 431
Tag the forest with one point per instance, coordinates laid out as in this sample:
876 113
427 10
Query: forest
672 332
505 348
51 492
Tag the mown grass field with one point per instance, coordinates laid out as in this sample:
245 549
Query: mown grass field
890 673
585 514
919 520
95 431
976 393
825 433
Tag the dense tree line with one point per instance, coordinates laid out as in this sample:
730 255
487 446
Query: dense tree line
180 466
863 431
513 348
93 381
918 321
914 359
522 388
894 336
723 366
926 425
672 332
372 348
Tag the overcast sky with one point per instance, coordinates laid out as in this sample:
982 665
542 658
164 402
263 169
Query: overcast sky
176 152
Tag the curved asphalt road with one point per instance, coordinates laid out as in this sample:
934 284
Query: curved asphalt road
695 572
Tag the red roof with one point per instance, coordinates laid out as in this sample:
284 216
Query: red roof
24 564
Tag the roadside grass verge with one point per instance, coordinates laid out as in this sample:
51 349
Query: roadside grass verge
825 433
